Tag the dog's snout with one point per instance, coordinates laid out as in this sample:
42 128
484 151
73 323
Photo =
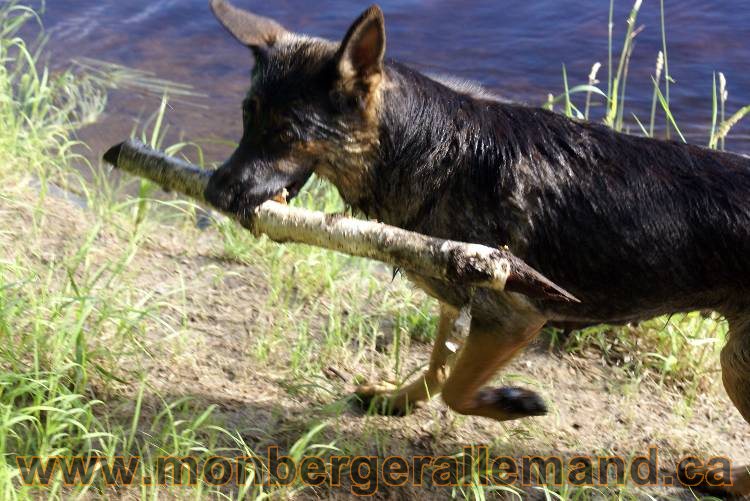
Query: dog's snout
243 183
219 190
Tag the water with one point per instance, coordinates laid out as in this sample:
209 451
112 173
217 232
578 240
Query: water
515 48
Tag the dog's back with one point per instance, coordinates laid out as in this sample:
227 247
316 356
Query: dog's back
636 226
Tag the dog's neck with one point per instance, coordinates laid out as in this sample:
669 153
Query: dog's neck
430 136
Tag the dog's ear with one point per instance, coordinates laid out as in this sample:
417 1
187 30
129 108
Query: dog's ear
256 32
360 58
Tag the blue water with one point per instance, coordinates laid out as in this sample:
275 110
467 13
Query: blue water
516 48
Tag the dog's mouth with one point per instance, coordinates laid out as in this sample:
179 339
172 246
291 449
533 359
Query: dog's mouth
292 187
235 197
242 190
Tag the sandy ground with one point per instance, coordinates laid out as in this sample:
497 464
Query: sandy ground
595 408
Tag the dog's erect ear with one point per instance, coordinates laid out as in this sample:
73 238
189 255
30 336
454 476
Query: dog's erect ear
362 51
250 29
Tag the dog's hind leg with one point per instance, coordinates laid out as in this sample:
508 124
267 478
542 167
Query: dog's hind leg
398 401
489 347
735 371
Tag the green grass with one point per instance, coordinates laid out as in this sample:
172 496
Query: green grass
75 328
68 322
83 332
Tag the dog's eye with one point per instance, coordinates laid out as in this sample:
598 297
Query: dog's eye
287 136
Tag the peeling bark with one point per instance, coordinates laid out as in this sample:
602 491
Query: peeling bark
465 264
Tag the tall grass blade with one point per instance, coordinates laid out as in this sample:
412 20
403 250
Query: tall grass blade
668 113
727 125
614 93
654 98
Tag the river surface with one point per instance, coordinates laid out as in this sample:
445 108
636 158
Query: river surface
516 48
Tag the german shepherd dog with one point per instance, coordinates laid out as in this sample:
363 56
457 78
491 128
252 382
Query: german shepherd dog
633 227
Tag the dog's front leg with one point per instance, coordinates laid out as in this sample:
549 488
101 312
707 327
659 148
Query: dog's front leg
453 328
489 346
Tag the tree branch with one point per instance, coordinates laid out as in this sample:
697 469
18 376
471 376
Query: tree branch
465 264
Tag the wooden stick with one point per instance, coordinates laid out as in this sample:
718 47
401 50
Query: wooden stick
465 264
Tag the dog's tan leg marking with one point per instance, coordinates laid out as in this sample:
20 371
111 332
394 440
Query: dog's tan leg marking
488 348
400 400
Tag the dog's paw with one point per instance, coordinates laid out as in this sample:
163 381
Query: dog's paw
381 399
514 401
